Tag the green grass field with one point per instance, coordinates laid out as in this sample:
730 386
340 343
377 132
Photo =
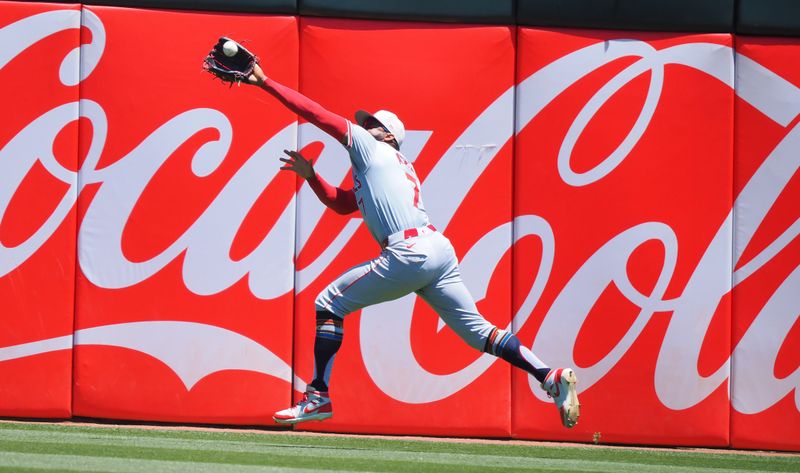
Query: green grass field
36 447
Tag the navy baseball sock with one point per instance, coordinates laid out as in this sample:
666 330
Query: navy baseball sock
506 345
330 330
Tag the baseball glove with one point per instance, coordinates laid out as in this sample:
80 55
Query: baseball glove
234 68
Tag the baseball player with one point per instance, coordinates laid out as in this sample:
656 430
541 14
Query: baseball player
414 256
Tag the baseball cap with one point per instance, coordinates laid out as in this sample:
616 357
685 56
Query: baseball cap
389 121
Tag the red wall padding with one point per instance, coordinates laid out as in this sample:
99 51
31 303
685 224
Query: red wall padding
766 301
38 187
185 270
643 171
624 154
398 370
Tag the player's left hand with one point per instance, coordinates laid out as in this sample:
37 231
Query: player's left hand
297 163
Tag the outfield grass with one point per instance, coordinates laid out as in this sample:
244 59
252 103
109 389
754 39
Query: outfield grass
27 447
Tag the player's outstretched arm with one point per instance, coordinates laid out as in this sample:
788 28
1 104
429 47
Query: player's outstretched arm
329 122
339 200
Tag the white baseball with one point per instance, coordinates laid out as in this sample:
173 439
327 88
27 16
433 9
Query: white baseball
230 48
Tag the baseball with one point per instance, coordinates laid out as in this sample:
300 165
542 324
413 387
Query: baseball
230 48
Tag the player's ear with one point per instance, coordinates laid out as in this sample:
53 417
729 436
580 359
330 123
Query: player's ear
389 138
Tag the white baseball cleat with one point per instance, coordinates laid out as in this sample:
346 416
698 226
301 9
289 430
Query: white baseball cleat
315 405
560 385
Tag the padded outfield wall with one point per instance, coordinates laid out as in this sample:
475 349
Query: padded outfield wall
626 201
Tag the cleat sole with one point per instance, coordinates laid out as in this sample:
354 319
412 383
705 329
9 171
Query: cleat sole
571 415
297 420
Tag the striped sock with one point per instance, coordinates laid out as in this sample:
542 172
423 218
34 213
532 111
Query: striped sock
506 345
330 330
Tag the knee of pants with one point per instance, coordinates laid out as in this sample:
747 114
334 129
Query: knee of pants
476 334
325 301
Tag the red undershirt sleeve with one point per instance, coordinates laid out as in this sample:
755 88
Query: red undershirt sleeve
329 122
339 200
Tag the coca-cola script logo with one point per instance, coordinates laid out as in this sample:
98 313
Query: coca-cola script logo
208 268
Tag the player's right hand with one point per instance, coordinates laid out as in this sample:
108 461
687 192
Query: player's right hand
297 163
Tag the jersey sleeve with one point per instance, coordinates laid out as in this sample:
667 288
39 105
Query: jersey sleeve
329 122
339 200
361 146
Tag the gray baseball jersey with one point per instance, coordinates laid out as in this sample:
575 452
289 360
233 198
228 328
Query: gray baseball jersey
388 194
386 186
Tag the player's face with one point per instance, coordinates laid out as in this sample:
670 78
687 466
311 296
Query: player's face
378 133
375 129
